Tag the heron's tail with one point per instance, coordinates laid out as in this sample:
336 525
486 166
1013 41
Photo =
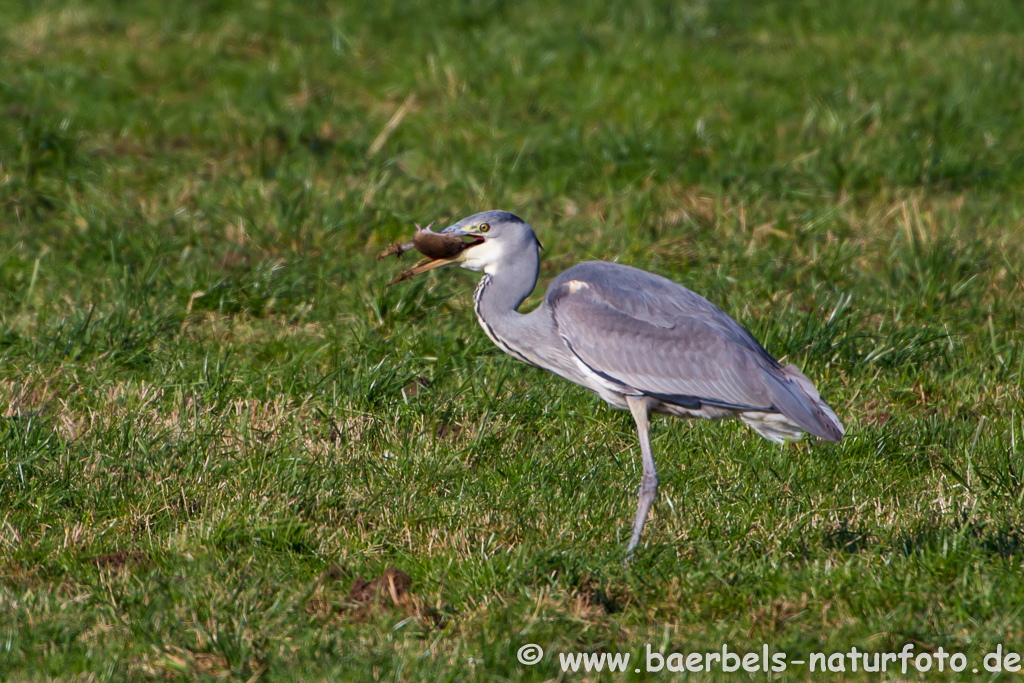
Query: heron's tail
796 398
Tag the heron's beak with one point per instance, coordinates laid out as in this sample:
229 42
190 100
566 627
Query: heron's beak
432 263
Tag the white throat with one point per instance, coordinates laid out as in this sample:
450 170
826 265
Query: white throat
484 257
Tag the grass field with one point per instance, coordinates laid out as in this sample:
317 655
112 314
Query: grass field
217 423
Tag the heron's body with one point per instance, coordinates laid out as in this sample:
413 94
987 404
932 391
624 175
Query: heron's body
640 341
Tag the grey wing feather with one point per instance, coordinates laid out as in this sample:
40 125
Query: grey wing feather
659 338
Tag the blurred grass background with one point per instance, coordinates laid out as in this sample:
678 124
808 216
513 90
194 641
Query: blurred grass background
216 418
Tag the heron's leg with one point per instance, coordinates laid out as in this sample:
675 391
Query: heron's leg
649 484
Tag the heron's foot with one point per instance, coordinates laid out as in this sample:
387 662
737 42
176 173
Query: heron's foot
648 492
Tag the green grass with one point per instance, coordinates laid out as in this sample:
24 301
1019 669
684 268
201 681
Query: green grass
203 370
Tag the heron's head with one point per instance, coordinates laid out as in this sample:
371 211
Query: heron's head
495 238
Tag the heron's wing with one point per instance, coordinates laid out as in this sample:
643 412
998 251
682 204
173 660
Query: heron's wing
649 334
663 353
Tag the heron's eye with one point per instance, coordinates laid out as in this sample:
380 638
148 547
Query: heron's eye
484 227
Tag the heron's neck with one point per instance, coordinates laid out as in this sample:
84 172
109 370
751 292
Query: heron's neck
496 302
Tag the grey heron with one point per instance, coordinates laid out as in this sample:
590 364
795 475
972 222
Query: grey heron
642 342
